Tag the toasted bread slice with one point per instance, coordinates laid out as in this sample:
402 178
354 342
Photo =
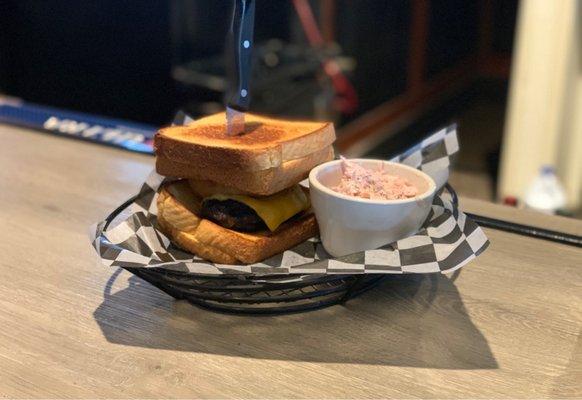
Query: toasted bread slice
204 188
267 143
257 183
218 244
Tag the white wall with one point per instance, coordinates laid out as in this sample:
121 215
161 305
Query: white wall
544 119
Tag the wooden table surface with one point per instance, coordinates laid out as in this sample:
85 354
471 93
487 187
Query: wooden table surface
508 326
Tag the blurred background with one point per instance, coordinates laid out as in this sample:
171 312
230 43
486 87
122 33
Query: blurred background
387 72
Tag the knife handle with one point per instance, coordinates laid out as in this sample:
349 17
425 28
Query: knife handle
238 54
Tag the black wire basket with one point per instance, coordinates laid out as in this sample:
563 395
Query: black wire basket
247 294
257 294
265 295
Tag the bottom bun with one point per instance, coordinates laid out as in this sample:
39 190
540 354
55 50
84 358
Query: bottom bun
218 244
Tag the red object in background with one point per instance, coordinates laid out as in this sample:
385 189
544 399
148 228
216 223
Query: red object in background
510 201
347 98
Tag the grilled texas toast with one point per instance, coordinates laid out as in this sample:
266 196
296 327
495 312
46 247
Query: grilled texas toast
266 143
259 183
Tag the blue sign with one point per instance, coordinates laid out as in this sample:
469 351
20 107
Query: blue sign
119 133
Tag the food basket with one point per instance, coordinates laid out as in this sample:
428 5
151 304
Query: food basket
302 278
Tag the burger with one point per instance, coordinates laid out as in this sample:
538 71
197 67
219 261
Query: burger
237 199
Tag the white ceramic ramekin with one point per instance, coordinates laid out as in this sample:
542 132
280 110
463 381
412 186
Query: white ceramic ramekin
350 224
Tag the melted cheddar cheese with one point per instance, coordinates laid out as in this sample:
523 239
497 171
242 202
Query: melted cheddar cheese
274 209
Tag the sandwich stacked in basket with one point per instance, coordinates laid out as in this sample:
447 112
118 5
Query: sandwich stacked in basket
238 199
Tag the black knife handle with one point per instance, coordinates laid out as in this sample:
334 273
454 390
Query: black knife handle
238 54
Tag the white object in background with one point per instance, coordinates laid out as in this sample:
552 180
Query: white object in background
544 122
546 193
350 224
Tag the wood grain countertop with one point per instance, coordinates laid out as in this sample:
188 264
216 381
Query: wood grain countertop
509 325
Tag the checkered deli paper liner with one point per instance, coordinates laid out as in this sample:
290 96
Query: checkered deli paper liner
448 240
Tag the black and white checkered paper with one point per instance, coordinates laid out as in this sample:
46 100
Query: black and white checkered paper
448 240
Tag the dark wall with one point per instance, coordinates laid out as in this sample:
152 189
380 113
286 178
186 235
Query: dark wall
115 57
453 33
199 27
376 34
504 20
107 57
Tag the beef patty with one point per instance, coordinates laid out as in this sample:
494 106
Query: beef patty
232 215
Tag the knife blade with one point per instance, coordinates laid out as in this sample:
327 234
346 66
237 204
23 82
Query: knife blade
238 59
